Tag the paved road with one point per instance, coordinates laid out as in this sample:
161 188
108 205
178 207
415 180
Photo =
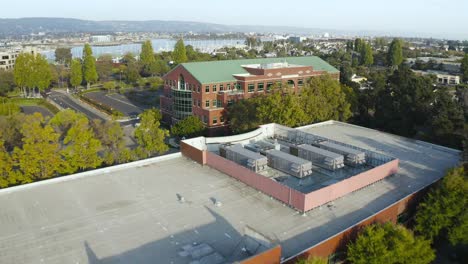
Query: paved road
64 101
116 101
29 110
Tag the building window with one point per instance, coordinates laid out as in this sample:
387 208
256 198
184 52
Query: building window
300 82
221 119
251 88
228 87
260 87
198 103
219 103
204 119
207 103
198 88
207 89
214 88
215 103
229 102
269 86
215 120
238 86
221 87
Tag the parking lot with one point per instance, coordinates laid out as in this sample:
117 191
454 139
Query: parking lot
115 101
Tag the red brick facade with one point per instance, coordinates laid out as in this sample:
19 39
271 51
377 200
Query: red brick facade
209 100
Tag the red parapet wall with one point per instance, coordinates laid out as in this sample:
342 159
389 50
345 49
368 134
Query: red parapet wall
354 183
271 256
268 186
193 153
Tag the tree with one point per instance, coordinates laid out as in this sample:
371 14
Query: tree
242 115
32 71
395 53
464 68
443 211
111 135
389 243
367 58
358 45
110 85
104 66
7 82
404 103
6 167
312 260
81 147
63 55
323 99
39 157
89 66
284 109
10 130
147 59
76 75
191 126
179 54
149 135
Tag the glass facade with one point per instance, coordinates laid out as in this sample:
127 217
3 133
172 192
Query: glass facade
182 103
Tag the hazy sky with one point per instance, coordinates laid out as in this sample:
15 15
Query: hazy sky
441 18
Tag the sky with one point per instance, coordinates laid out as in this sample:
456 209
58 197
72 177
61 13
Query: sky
438 18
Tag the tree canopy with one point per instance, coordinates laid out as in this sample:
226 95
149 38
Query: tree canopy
32 71
147 59
89 65
443 212
191 126
76 75
395 53
389 243
321 98
464 68
63 55
149 134
179 54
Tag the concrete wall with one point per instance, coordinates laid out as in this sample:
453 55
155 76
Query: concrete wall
193 153
339 189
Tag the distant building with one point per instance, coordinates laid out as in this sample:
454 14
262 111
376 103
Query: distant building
8 57
102 38
206 89
358 79
296 39
442 77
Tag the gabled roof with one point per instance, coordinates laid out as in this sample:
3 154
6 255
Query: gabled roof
222 71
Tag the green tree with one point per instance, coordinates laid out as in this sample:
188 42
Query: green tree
443 211
10 130
31 72
179 54
242 115
76 75
80 145
322 98
284 109
464 68
389 243
7 82
6 167
110 85
104 67
312 260
149 135
367 58
191 126
89 66
63 55
404 103
358 45
147 59
111 135
395 53
39 157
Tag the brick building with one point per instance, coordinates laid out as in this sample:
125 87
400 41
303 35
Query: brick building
205 89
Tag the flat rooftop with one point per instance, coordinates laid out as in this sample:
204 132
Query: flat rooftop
134 215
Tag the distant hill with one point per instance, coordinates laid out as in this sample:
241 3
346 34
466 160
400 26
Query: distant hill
24 26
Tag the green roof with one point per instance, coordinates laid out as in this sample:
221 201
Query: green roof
222 71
